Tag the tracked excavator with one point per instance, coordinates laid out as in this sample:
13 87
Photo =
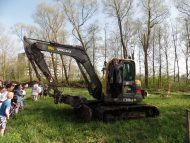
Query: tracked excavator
105 105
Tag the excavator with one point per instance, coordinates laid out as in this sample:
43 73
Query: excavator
105 105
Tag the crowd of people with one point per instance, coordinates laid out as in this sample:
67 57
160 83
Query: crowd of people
11 101
12 97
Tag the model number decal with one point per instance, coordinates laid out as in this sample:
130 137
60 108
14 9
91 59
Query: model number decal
63 50
128 100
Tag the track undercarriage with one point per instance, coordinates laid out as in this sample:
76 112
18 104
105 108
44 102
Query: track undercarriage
88 110
111 112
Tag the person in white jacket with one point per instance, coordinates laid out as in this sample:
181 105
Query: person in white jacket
3 95
35 91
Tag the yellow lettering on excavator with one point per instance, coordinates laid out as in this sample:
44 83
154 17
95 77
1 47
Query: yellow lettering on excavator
51 48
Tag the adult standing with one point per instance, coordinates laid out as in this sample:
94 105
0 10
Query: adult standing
118 80
24 86
111 78
19 94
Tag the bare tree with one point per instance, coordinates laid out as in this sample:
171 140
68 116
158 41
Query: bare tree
6 47
139 60
153 56
176 60
93 38
166 49
120 9
160 57
114 44
186 38
78 14
187 52
154 12
21 30
130 36
51 20
183 6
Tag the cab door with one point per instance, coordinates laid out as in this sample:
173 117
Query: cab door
130 91
128 77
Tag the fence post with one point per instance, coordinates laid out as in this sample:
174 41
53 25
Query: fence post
188 124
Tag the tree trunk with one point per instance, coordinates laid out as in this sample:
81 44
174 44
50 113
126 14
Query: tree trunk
80 38
153 54
125 54
93 52
175 51
187 72
177 70
160 62
146 68
62 72
3 68
167 63
146 46
65 69
69 69
140 63
54 67
174 68
187 50
30 71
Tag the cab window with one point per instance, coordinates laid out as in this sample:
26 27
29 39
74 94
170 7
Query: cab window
128 71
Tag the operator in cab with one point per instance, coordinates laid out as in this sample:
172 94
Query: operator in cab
115 78
118 70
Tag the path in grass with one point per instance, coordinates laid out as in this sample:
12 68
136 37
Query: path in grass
43 122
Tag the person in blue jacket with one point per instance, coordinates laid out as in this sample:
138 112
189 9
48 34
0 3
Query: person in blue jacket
5 112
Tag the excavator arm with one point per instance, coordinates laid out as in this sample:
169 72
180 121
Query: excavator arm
33 49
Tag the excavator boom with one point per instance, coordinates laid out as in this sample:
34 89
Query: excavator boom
36 57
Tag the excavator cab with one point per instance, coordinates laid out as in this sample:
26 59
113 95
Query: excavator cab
121 85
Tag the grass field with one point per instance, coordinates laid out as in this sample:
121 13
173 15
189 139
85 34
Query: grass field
45 122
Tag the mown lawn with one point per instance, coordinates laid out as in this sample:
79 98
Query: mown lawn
45 122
